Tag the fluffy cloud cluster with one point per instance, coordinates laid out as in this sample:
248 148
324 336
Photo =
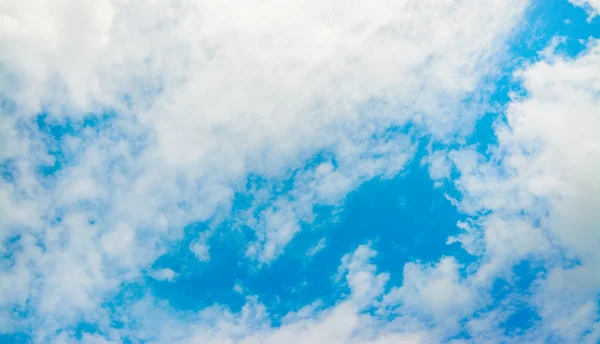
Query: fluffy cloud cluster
122 122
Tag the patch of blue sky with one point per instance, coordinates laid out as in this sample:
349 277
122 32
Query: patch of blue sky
85 328
404 218
201 284
522 319
54 133
512 296
7 171
22 336
12 338
290 281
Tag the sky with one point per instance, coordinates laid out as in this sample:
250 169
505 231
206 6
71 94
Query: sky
260 172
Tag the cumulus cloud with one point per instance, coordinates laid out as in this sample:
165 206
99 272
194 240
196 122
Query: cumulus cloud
360 275
426 307
165 274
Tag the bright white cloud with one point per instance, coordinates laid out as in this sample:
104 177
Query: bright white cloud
165 274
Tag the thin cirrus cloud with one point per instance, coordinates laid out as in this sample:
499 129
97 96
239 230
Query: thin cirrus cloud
124 122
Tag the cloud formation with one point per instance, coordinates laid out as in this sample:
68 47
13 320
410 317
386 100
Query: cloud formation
124 122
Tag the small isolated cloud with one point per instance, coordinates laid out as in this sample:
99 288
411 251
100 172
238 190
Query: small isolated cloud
164 274
200 250
238 289
435 291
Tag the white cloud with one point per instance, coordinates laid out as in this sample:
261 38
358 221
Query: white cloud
200 250
164 274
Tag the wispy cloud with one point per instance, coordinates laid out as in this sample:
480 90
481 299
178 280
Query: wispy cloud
317 248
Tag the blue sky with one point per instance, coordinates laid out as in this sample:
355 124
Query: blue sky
316 172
